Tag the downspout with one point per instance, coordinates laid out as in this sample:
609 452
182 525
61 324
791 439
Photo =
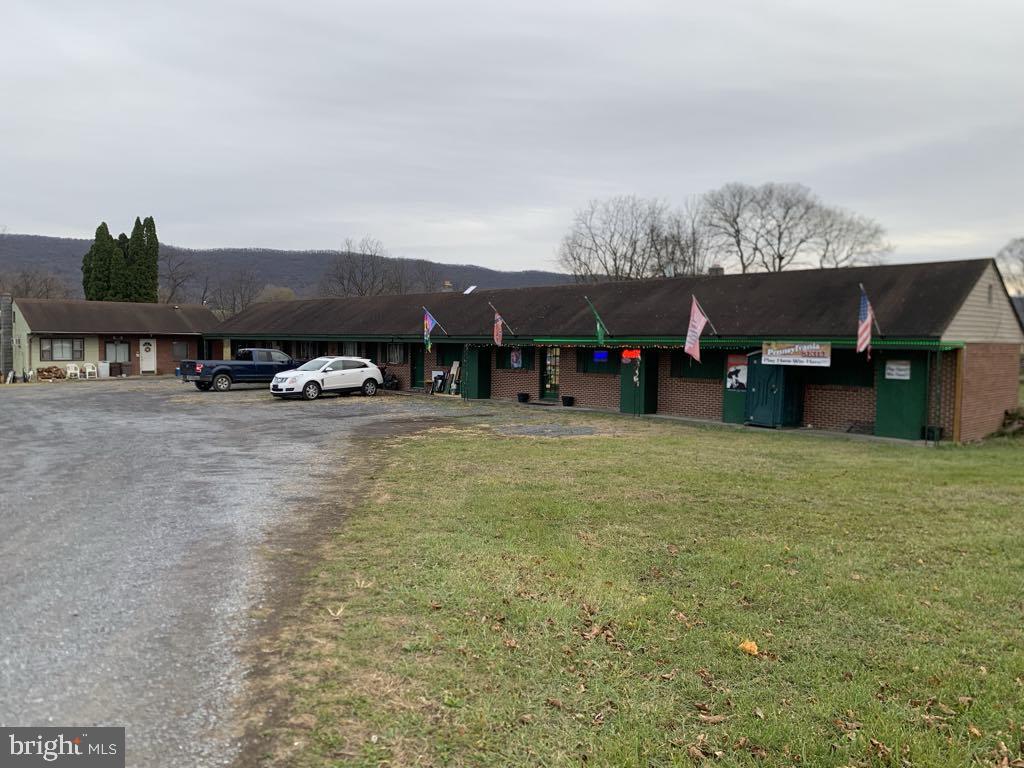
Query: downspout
938 376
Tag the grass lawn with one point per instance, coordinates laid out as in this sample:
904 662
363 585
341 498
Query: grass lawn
507 601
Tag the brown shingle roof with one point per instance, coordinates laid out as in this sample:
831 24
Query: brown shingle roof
114 317
910 301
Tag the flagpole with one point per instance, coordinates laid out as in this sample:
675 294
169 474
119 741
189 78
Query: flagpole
873 315
594 310
502 318
706 315
435 321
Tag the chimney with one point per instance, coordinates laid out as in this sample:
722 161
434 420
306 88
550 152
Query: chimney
716 269
447 287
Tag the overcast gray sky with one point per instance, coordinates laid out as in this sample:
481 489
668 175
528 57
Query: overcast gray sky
470 131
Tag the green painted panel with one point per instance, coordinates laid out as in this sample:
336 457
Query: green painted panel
733 405
638 389
900 403
476 373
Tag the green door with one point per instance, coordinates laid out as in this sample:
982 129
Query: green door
638 384
901 394
549 366
734 397
764 393
417 365
476 373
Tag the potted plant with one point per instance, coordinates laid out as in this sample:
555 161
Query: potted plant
568 400
523 397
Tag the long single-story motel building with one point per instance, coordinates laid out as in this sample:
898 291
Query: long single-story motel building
944 361
133 338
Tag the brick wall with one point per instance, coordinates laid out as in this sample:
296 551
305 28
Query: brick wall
592 390
165 360
506 383
694 398
838 407
990 381
942 405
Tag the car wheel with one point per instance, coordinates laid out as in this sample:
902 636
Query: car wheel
222 382
202 386
311 391
369 387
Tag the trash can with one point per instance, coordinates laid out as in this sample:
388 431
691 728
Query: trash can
103 369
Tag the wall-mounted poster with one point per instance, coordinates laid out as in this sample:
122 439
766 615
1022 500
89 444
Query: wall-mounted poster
897 369
515 358
812 353
736 372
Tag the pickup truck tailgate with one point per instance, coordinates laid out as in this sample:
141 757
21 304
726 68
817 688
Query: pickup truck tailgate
188 367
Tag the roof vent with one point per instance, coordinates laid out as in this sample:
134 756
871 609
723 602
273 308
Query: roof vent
447 287
716 269
469 290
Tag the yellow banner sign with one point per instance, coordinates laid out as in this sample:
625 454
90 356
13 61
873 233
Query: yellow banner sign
814 353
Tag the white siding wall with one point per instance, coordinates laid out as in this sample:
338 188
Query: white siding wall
982 320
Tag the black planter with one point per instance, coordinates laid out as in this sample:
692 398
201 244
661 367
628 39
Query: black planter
523 397
568 400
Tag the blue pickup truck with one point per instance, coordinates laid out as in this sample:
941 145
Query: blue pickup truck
250 366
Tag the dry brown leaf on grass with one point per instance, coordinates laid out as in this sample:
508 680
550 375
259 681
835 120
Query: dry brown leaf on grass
510 642
973 731
758 713
554 703
712 719
749 647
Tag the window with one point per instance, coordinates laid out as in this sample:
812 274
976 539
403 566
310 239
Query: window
337 365
179 350
261 355
448 353
711 366
590 360
61 349
349 365
504 358
307 350
396 354
116 352
350 349
280 357
848 369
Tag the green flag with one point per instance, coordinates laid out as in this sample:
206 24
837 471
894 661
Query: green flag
602 329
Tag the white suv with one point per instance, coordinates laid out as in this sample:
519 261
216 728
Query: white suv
328 374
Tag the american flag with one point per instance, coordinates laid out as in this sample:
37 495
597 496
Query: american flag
865 319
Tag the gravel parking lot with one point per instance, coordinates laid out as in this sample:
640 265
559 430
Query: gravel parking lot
137 517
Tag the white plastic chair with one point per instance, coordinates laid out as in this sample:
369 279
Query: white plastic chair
89 370
72 371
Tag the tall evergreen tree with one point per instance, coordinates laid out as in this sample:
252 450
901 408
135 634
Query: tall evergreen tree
150 291
117 288
96 264
136 256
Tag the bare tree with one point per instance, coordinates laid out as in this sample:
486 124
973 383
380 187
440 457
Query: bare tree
682 241
613 239
426 276
788 214
733 217
780 226
34 284
1011 264
177 273
234 292
845 239
361 269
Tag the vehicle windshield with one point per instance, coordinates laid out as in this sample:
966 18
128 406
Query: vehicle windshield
315 364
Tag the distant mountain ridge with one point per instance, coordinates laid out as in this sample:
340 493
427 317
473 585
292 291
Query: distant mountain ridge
299 270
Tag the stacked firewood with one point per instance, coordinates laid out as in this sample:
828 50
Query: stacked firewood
51 373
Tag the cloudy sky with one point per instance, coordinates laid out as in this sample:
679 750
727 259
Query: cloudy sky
470 131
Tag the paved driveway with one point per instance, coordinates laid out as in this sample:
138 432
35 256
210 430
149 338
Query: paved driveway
133 524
